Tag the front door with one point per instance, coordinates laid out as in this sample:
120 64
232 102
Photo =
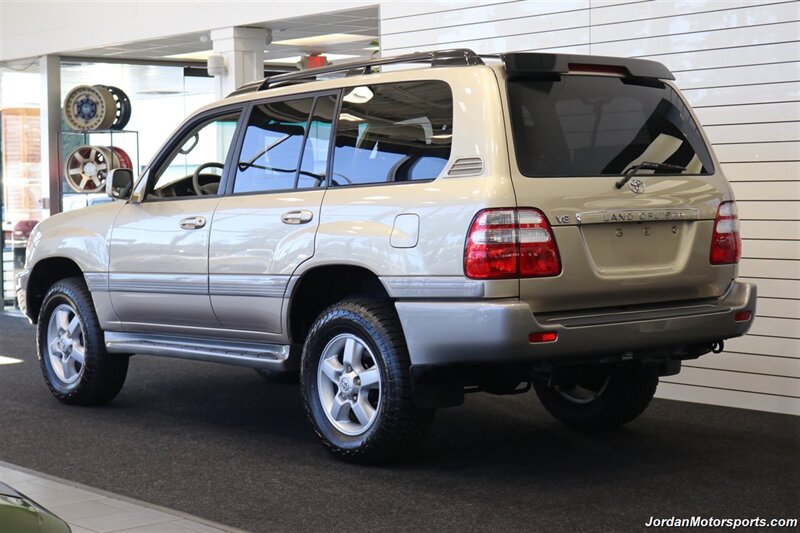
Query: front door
266 226
158 276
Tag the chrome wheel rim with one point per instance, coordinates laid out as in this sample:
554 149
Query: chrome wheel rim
583 393
66 349
349 384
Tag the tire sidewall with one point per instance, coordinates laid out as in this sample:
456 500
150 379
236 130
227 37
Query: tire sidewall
329 325
618 403
60 294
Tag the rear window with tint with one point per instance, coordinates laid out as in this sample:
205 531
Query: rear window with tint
601 125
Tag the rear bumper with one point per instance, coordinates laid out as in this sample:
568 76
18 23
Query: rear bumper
456 332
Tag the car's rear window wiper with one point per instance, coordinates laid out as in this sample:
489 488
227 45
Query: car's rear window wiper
646 165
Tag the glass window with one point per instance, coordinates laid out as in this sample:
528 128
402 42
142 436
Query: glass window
601 125
393 132
272 144
203 151
315 154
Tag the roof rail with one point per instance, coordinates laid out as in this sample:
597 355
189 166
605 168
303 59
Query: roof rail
438 58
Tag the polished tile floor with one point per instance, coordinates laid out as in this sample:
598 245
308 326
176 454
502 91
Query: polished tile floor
87 510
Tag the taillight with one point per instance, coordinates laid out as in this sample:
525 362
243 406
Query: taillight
511 243
726 243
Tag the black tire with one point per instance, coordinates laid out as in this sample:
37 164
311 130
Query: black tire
101 375
398 426
624 394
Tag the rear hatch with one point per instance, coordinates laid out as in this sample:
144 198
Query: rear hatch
574 137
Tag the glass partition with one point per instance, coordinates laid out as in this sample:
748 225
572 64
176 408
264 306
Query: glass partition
160 98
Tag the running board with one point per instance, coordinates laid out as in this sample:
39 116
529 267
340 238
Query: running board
242 353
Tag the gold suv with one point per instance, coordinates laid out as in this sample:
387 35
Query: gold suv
399 238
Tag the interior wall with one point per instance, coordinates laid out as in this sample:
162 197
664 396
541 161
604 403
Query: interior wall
738 63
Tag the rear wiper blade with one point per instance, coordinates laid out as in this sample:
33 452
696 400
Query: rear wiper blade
646 165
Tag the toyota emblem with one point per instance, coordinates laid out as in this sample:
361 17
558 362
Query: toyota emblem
636 185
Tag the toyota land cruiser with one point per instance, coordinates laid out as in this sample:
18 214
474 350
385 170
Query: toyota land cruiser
399 238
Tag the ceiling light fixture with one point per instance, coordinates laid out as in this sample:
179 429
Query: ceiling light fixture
296 59
324 40
201 55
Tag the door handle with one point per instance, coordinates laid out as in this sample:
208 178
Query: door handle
297 217
193 222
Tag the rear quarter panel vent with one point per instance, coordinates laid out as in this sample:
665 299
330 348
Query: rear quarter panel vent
466 166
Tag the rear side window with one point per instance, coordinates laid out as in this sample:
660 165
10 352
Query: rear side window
602 125
393 132
273 141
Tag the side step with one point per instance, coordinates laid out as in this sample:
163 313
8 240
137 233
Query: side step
242 353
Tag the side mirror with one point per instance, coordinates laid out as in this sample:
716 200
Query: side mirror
119 184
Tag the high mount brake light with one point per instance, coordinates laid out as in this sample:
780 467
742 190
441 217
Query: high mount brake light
511 243
726 242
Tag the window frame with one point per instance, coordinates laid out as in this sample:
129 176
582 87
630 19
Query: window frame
246 114
174 143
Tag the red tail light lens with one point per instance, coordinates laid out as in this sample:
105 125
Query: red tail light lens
511 243
726 242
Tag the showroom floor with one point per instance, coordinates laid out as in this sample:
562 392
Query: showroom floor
87 510
220 443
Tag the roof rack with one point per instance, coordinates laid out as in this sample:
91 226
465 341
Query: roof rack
438 58
516 63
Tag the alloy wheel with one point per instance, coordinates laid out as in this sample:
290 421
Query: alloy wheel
349 384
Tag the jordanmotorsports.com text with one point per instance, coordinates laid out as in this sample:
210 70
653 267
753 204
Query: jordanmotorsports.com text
732 523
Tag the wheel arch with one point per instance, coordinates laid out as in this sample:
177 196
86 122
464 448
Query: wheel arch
319 287
43 275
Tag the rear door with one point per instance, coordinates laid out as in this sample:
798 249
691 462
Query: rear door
266 224
574 137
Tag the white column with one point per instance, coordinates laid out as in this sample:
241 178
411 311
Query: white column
243 50
50 125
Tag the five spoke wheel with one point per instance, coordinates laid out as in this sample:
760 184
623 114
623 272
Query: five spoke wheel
65 344
349 384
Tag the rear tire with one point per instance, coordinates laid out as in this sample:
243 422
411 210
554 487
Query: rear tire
601 400
71 347
357 385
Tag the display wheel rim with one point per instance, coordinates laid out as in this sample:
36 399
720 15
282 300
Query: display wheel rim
88 165
87 108
122 106
121 159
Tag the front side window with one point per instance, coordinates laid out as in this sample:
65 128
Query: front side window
577 125
196 165
393 132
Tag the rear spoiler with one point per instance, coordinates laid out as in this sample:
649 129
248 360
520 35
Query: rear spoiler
536 63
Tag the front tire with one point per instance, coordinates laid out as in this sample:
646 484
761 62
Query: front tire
71 348
357 386
598 400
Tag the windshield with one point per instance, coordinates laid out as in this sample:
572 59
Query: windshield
577 125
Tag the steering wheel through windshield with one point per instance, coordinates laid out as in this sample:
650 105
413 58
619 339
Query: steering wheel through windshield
208 188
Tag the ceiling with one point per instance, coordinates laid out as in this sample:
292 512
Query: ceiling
362 22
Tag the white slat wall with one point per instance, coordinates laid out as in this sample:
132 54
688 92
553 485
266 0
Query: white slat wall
738 62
